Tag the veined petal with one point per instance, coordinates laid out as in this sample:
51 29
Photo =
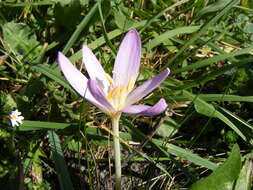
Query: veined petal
75 78
127 62
98 94
158 108
93 66
145 88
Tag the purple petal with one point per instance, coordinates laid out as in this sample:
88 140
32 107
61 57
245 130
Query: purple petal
158 108
92 65
75 78
98 94
147 87
127 62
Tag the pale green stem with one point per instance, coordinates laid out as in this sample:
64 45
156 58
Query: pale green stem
116 144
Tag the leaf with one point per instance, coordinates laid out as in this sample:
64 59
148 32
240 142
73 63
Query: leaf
38 125
238 119
62 2
4 133
61 167
169 149
26 4
204 108
161 13
201 106
168 128
248 28
241 19
21 40
74 145
244 181
83 24
216 97
227 70
242 125
122 21
7 102
99 42
67 13
201 31
169 34
224 176
207 62
220 4
52 74
209 110
27 163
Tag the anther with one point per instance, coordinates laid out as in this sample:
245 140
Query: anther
130 84
109 78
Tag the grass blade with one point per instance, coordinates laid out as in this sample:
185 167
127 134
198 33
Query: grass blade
109 43
209 110
169 34
182 153
61 167
206 62
162 13
25 4
99 42
238 119
54 75
215 73
244 181
80 28
167 149
215 97
39 125
201 31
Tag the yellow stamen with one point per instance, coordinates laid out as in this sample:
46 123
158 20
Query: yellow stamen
123 95
130 84
117 95
114 93
111 94
109 78
117 91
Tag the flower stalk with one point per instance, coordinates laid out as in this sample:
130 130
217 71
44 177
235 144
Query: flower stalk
116 146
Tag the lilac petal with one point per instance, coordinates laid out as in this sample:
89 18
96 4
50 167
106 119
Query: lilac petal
127 62
92 65
98 94
76 79
147 87
158 108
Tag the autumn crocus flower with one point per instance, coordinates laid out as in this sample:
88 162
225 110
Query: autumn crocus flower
15 118
116 94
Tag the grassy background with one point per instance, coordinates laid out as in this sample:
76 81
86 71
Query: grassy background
66 143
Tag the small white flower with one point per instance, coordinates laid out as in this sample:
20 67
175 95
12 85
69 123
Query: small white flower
16 118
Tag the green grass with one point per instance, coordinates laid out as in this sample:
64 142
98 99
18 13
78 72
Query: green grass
66 143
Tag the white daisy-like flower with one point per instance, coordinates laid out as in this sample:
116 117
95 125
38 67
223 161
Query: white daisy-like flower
16 118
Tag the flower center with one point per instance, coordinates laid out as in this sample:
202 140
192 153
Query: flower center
14 117
117 95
